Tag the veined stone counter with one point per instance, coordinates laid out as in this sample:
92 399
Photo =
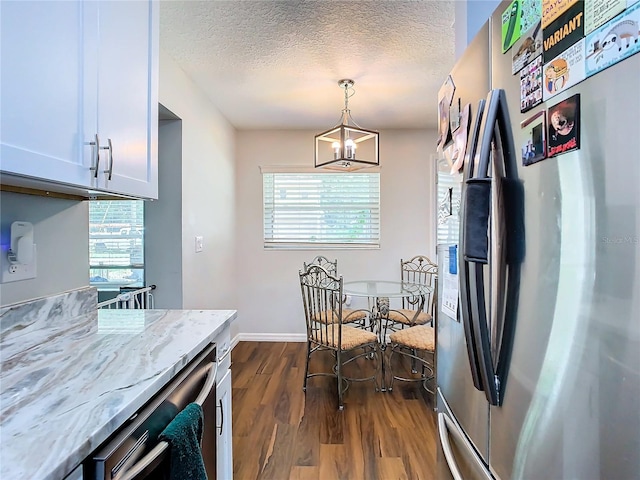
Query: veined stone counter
68 383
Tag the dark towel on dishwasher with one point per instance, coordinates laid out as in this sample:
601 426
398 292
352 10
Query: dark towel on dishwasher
157 422
184 435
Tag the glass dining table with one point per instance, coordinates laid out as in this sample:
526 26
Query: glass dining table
384 288
378 292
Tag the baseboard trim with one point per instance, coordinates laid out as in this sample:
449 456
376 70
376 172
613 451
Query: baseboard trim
268 337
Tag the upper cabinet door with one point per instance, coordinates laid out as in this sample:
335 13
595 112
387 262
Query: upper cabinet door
43 63
79 95
128 97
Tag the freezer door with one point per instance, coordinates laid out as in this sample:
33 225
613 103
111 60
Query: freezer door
457 458
570 403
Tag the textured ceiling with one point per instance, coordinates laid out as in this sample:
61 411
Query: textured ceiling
276 64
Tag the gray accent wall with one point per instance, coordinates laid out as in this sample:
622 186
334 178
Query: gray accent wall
61 235
163 220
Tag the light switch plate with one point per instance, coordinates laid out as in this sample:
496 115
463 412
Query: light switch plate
199 243
17 272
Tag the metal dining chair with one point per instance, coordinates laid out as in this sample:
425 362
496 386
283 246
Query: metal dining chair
415 309
327 331
416 343
412 327
349 315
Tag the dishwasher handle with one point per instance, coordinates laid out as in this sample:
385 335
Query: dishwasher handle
152 459
209 384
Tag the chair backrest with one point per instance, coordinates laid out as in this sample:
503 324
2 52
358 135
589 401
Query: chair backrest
322 314
328 265
420 269
324 262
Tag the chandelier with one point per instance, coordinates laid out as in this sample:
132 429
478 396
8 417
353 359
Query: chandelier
347 147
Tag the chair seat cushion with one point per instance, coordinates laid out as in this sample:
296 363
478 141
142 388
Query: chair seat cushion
420 337
348 315
351 315
351 337
405 316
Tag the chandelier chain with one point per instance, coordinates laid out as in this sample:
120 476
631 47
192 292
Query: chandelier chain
349 92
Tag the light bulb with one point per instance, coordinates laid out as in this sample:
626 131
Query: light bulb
350 148
336 150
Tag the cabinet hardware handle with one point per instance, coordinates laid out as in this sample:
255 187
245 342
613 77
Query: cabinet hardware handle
110 170
221 416
96 156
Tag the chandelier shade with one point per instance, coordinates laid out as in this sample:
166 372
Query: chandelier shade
347 147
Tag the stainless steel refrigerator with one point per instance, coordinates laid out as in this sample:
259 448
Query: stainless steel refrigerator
538 368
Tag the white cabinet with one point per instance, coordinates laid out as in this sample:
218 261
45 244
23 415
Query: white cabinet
74 72
42 70
128 97
224 452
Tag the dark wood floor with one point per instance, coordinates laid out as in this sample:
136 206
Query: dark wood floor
281 433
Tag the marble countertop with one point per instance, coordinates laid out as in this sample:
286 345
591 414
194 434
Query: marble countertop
66 386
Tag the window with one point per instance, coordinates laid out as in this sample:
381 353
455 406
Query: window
321 209
448 198
116 243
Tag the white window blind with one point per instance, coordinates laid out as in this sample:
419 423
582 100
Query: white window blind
321 209
449 196
116 243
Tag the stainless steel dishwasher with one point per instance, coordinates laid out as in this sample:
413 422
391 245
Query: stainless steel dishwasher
134 452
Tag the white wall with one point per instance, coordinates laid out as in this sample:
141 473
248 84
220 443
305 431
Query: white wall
61 235
269 303
207 192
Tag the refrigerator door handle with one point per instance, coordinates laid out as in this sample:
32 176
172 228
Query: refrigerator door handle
446 426
477 202
509 238
481 331
477 208
463 265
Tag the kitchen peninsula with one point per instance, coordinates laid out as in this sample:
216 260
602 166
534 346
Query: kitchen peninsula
71 375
